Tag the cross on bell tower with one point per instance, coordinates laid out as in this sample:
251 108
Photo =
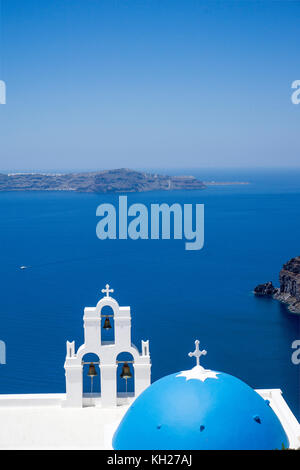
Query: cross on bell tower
197 353
107 290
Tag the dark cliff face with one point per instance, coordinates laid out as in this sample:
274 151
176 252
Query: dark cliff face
289 290
289 278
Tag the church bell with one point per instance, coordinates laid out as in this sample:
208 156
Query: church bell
107 324
126 372
92 370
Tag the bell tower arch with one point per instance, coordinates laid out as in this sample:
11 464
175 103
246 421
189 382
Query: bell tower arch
107 352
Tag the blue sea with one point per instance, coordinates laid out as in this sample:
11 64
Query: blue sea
176 296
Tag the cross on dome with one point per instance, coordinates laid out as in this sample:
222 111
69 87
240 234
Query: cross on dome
197 353
198 372
107 290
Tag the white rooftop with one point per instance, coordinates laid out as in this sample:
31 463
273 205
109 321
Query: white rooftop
40 422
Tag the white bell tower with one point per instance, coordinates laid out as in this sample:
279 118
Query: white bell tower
107 353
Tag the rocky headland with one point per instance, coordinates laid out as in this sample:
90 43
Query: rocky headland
266 289
289 290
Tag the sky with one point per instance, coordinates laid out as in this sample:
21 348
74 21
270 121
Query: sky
95 84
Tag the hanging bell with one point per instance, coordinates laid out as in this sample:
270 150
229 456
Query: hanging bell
126 372
92 370
107 324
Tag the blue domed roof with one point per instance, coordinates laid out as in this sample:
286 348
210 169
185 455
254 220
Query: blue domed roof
199 409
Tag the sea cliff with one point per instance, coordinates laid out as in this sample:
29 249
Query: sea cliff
289 290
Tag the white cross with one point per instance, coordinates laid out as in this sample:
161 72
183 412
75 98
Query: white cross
107 290
197 353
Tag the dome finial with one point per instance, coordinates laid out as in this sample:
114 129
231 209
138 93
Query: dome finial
197 353
198 372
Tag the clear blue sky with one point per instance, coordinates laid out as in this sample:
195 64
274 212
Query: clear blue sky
161 83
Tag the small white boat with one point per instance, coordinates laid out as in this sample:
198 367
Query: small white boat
23 267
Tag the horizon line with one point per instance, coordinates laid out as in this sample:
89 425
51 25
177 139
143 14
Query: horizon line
193 168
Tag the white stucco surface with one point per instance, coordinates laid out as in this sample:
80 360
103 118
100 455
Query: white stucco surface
50 426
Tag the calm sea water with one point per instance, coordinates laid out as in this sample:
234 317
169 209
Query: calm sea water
176 295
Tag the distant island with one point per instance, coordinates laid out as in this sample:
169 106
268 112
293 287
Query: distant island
289 290
109 181
224 183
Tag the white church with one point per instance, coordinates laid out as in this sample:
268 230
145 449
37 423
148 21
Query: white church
186 410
